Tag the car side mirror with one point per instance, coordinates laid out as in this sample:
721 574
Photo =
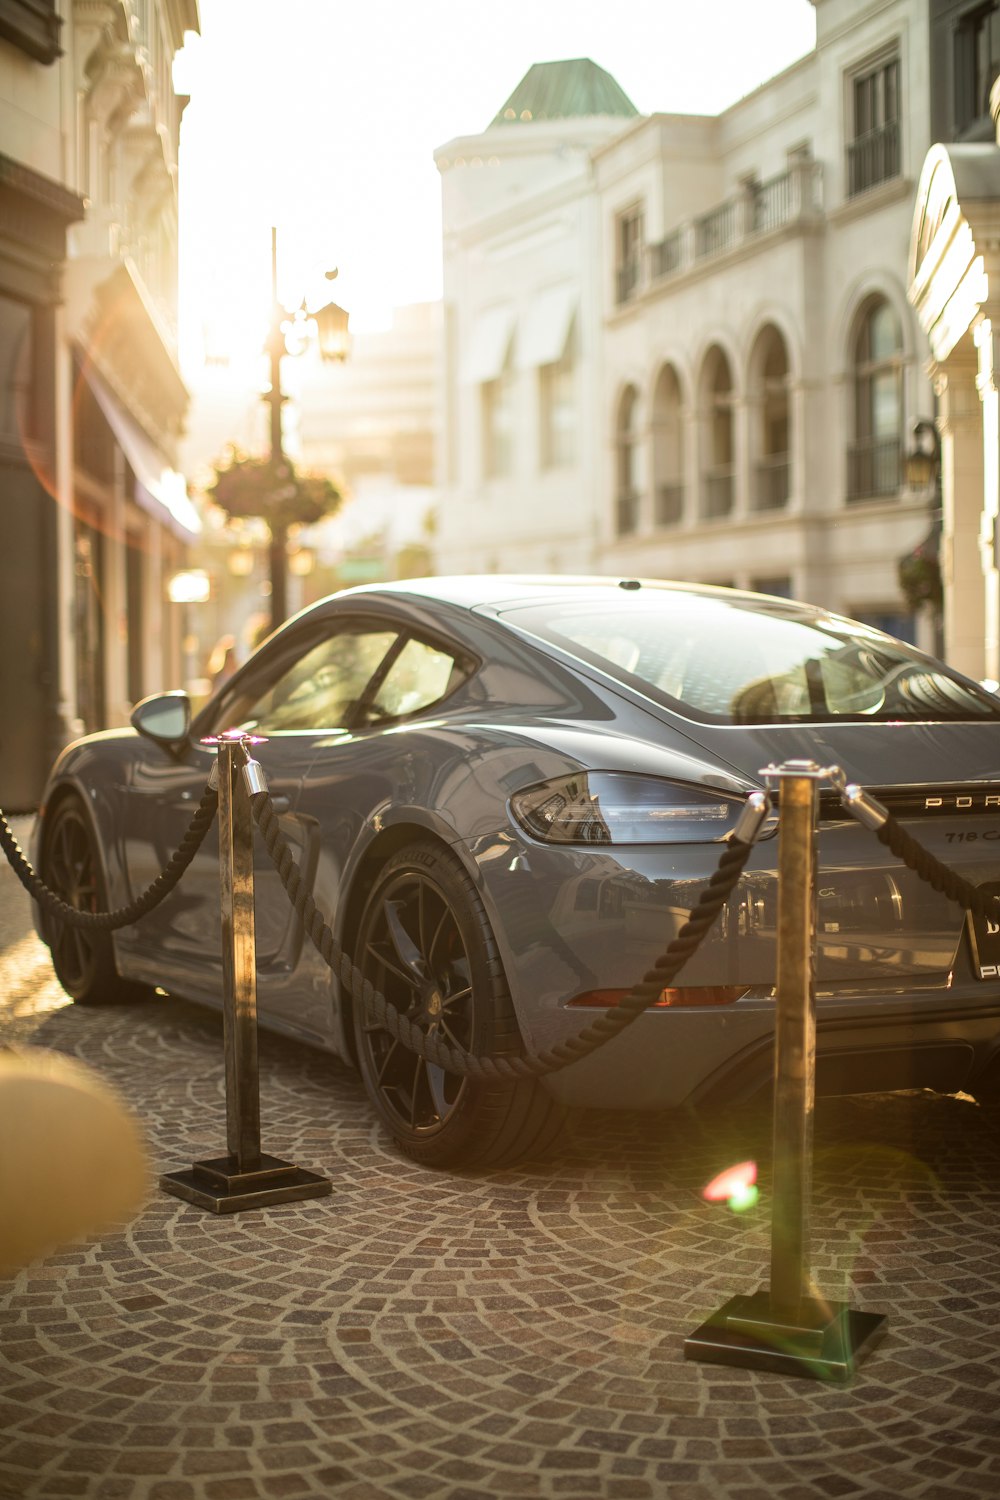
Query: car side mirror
164 717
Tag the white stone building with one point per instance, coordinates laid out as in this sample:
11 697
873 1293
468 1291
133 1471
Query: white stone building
522 448
681 346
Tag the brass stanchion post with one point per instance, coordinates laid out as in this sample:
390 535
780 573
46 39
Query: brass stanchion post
795 1048
245 1178
788 1327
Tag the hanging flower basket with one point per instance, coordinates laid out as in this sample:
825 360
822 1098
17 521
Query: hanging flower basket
919 574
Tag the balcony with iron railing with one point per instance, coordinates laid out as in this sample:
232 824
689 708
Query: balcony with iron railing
668 507
874 469
873 158
771 482
627 513
665 256
717 492
718 230
792 198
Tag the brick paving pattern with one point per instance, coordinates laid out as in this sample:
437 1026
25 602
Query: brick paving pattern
517 1334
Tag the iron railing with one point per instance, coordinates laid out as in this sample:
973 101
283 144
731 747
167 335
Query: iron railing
771 487
669 509
874 468
717 492
790 197
626 513
718 230
873 158
665 257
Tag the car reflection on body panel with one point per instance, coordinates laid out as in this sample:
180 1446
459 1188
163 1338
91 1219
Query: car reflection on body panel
507 794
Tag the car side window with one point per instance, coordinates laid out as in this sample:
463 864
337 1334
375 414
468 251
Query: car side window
319 690
418 677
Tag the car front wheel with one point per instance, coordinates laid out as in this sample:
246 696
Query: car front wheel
425 942
83 959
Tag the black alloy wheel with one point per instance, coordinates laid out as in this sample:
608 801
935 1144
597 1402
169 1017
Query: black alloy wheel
82 958
425 943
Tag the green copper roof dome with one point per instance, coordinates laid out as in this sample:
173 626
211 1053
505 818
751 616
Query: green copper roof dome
561 90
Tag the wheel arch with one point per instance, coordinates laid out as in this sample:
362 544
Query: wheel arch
93 976
61 793
376 856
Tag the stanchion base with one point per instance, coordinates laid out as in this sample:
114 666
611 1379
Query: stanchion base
825 1342
220 1186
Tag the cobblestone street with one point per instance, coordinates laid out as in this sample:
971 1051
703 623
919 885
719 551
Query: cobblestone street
516 1334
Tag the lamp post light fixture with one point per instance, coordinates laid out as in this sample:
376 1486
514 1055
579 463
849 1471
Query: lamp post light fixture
922 461
920 570
332 337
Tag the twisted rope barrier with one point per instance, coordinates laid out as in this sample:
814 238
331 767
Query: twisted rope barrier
865 808
876 817
108 921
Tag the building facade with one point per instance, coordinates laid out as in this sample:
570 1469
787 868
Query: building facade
94 515
732 397
521 458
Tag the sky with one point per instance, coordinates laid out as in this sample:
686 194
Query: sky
321 117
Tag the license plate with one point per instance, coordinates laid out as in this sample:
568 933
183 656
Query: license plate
984 938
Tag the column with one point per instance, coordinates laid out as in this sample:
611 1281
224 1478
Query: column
986 336
960 423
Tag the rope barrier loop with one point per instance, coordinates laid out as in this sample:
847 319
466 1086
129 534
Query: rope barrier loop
860 804
108 921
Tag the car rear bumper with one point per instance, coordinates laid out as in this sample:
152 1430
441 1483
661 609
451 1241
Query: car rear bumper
672 1058
898 1005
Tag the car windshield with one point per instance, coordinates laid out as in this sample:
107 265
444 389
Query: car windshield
753 660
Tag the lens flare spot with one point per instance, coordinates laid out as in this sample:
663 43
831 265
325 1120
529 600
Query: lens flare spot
735 1186
744 1198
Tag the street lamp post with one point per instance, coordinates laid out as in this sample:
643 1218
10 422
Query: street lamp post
331 327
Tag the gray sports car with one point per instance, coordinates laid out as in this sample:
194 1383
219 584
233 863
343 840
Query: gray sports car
517 788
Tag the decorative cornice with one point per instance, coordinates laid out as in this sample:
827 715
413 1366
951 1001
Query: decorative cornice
51 196
33 26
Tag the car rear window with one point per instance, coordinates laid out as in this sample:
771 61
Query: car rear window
746 659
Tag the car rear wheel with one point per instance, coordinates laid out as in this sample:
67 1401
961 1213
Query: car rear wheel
83 959
425 942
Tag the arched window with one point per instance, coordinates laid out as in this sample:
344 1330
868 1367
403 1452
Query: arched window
770 432
668 449
717 436
627 448
874 458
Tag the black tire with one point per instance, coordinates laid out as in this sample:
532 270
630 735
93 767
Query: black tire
84 960
425 942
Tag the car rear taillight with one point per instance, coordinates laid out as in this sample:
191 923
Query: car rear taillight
619 807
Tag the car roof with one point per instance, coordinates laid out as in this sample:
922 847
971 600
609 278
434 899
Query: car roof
494 590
